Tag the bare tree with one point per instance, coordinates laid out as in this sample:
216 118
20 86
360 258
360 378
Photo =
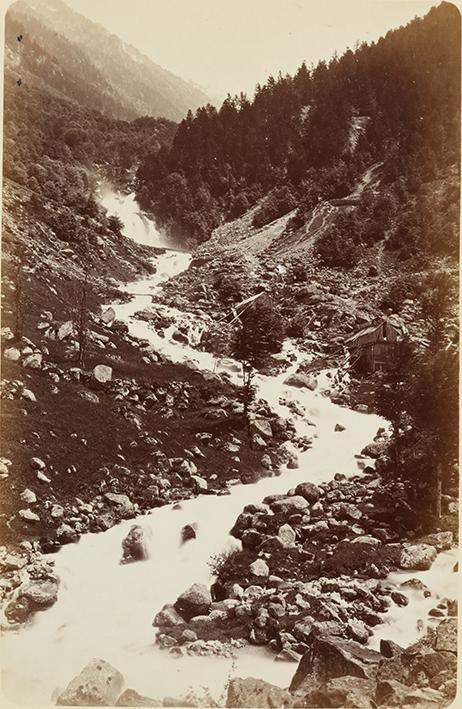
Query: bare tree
21 299
81 303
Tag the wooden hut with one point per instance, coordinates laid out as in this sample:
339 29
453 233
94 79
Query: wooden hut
371 349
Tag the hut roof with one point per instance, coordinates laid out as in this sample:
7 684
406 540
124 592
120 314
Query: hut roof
370 331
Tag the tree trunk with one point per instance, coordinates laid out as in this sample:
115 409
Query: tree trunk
438 494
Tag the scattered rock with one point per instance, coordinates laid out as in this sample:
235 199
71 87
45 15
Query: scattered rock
446 635
290 505
440 540
301 380
330 657
200 485
417 557
287 535
65 330
309 491
89 396
102 374
168 617
37 464
108 316
196 600
28 496
28 516
12 354
134 545
98 684
33 361
122 502
255 693
261 427
259 569
189 531
40 594
28 395
130 698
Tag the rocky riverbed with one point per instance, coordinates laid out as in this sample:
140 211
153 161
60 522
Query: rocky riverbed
314 561
172 451
332 673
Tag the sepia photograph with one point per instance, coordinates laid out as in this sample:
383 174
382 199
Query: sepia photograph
230 353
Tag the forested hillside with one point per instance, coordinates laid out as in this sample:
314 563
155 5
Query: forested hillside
67 54
308 137
52 147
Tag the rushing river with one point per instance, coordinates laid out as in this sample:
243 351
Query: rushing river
106 610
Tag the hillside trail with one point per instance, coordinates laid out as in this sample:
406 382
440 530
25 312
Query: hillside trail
325 211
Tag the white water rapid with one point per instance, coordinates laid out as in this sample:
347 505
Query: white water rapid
106 610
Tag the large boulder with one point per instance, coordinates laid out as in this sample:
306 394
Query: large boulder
101 374
256 693
167 617
351 692
33 361
440 540
287 536
330 657
108 316
309 491
121 502
64 330
134 545
417 557
12 354
259 569
289 505
98 684
188 532
40 594
196 600
261 427
28 516
446 635
300 380
392 693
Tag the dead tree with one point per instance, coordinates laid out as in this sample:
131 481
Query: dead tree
21 299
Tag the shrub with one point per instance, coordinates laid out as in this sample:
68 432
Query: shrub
335 251
278 203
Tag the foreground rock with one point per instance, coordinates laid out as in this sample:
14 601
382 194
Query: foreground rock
418 557
134 545
314 563
340 673
195 601
131 698
330 657
256 693
98 684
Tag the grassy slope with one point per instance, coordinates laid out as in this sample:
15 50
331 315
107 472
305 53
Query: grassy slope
52 428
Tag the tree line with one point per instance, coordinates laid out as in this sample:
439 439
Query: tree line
292 142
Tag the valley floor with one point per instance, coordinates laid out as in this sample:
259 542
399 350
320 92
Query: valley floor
91 444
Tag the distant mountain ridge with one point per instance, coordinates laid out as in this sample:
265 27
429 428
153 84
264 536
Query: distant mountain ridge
71 56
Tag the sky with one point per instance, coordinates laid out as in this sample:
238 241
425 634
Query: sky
231 45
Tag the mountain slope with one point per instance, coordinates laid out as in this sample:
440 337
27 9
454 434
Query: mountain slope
309 137
60 47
